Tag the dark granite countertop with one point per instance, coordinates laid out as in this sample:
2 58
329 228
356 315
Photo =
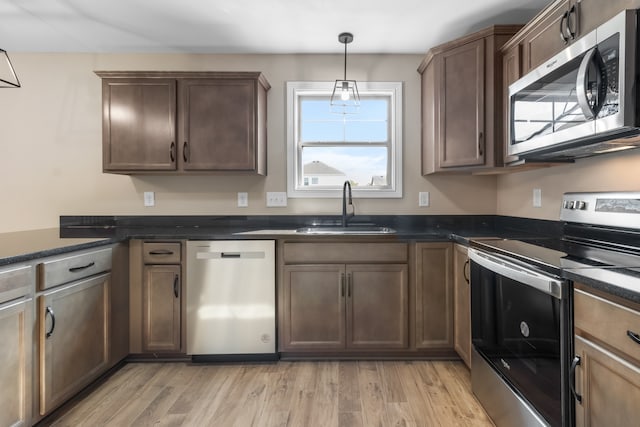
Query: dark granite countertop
21 246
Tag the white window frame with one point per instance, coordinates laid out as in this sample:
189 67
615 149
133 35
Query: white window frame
295 184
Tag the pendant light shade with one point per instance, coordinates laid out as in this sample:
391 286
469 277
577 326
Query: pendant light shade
8 76
345 98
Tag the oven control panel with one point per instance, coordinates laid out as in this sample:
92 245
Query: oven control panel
619 209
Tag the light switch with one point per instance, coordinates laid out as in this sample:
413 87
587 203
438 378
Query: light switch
149 198
243 200
423 198
537 198
276 199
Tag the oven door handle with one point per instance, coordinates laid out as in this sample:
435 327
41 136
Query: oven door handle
504 267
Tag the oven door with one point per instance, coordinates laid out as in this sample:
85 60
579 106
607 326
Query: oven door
519 327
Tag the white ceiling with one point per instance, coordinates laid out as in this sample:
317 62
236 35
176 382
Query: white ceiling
248 26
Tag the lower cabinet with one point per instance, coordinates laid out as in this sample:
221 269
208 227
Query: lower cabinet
434 296
328 306
606 366
461 304
341 306
74 338
161 308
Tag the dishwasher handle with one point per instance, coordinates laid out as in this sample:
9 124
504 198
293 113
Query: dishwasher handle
230 255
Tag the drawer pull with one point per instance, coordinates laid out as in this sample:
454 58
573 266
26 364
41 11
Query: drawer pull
49 311
635 337
161 252
83 267
572 378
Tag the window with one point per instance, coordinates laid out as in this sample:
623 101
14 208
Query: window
325 149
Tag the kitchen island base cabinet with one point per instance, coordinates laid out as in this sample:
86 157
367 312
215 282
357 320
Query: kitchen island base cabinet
74 338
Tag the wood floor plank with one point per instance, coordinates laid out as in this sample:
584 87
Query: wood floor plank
373 413
283 394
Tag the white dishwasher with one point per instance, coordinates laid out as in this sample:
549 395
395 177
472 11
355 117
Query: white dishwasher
230 292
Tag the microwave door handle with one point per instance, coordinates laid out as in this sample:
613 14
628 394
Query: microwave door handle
581 84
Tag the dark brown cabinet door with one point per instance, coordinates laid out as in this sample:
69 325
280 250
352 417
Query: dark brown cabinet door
544 40
218 119
314 307
161 311
512 71
461 304
434 296
609 386
462 105
139 127
74 338
377 306
16 326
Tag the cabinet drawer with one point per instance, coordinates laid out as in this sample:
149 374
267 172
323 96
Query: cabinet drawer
60 270
345 252
607 321
161 253
15 282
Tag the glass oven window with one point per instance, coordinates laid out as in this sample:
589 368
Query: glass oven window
517 329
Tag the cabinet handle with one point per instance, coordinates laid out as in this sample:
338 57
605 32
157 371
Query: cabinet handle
572 378
572 30
481 143
49 311
342 284
161 252
634 336
563 23
83 267
185 151
348 285
465 272
176 289
172 152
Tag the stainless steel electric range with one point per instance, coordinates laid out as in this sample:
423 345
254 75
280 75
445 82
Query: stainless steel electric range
521 306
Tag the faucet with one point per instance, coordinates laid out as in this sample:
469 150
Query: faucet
345 216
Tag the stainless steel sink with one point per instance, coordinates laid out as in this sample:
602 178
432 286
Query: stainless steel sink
354 229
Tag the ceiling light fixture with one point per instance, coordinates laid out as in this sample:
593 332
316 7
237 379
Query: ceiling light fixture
345 98
8 76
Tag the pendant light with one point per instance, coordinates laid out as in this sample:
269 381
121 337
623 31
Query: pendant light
345 98
8 76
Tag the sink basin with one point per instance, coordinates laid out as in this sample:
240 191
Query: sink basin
354 229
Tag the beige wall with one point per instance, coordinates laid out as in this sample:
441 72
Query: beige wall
611 172
50 141
50 146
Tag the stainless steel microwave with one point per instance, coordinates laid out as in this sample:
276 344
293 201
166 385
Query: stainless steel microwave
583 101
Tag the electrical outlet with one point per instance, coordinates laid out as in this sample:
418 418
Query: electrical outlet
537 198
149 198
243 200
276 199
423 198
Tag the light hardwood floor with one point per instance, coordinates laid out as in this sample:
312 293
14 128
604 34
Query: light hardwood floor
298 394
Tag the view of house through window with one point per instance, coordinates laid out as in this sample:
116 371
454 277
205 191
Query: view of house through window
327 149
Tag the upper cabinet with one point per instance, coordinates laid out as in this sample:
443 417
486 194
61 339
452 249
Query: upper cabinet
562 23
184 122
462 127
